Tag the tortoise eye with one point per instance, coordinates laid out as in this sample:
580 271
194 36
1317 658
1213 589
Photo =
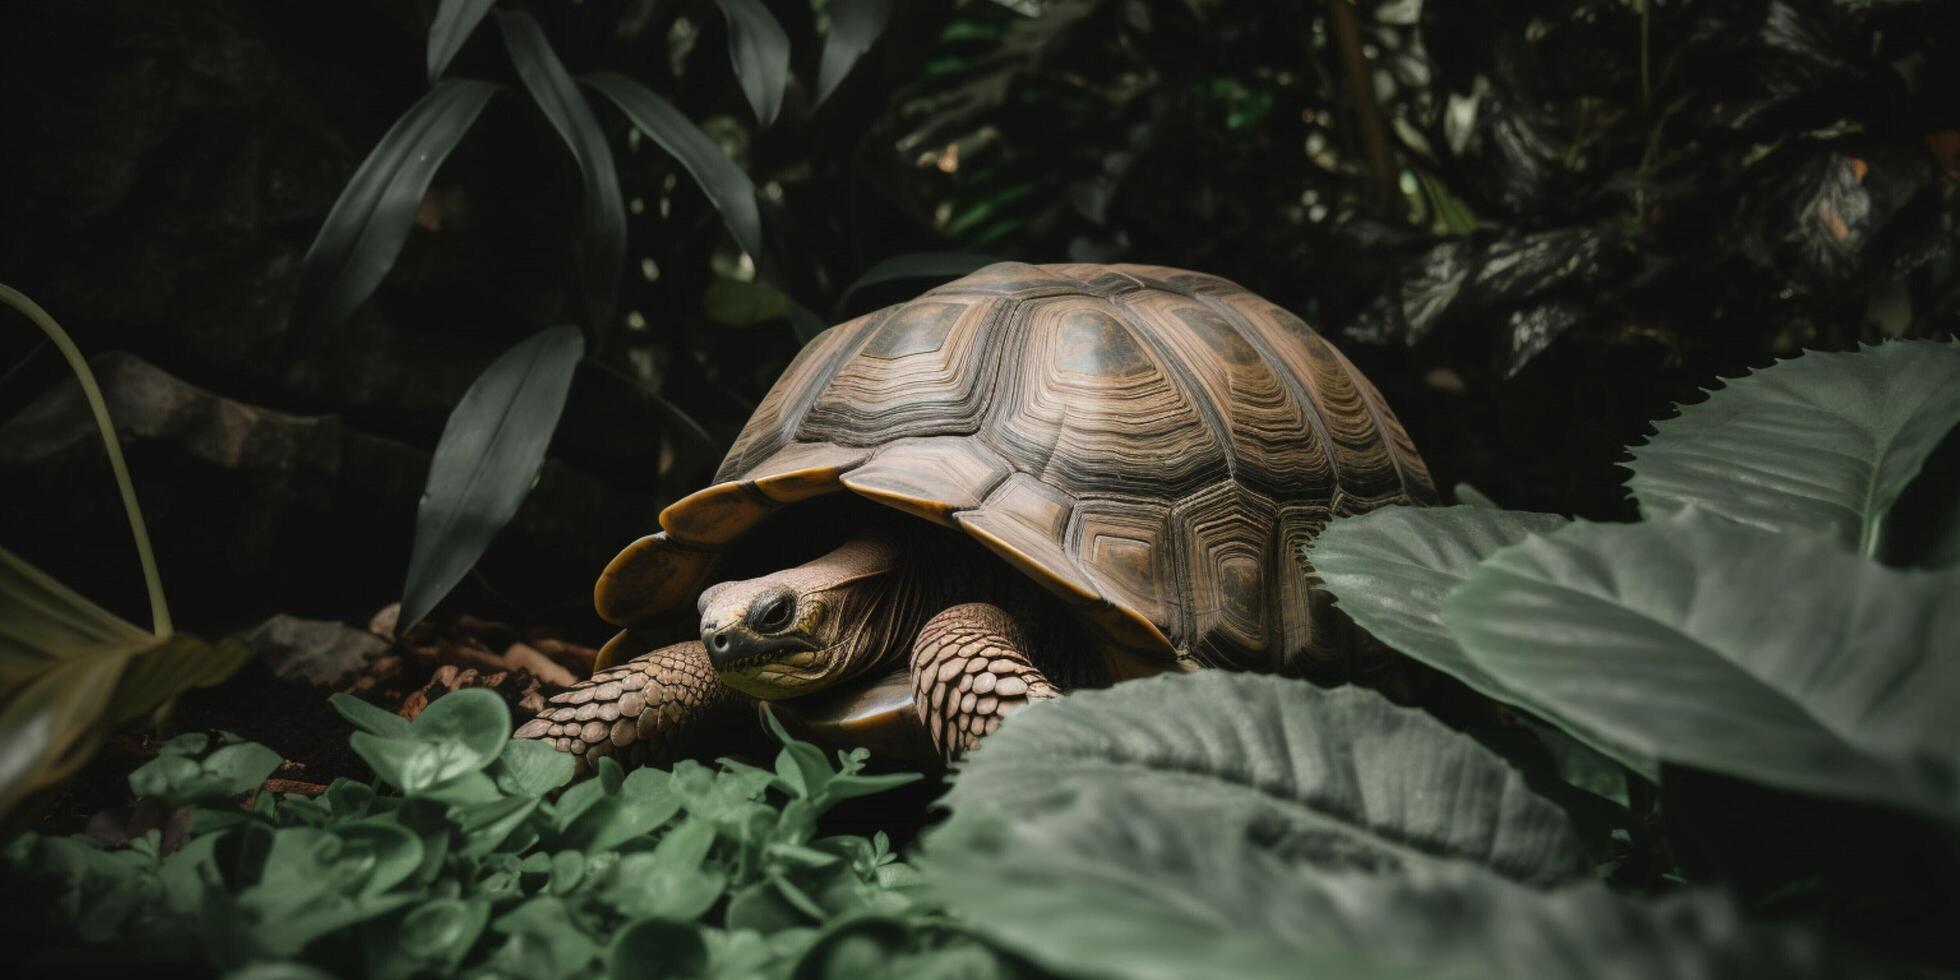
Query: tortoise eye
774 613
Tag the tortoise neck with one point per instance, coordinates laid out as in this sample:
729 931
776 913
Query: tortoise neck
883 593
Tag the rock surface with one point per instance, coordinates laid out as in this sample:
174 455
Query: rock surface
315 651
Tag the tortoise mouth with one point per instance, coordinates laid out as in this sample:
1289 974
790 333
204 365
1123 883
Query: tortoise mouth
788 668
729 658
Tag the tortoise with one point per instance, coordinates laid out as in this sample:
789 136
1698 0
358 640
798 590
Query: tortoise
1057 476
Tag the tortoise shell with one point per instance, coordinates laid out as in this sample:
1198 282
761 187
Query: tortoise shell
1153 446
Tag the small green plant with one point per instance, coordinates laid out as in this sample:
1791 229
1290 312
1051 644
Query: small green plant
71 671
471 855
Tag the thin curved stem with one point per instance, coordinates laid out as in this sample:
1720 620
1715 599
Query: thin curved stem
159 610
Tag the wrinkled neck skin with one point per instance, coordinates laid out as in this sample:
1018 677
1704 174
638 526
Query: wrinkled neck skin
852 612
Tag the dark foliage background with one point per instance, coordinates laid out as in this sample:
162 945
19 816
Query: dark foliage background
1536 225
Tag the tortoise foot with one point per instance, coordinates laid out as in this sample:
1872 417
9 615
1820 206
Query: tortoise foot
652 709
969 670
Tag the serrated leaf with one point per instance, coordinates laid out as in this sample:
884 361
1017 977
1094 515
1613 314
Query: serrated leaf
488 457
1823 442
1345 776
725 185
759 50
1391 568
602 251
1782 659
854 26
358 242
455 21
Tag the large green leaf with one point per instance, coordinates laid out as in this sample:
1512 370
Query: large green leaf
602 254
455 21
1340 776
489 455
1783 659
854 27
1391 568
759 49
724 183
1116 886
366 228
1822 442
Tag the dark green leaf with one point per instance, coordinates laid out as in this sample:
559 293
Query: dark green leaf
653 949
455 21
489 456
475 718
367 717
379 852
1343 776
368 224
602 255
854 27
441 931
1783 659
759 50
531 768
1823 442
724 183
229 771
1391 568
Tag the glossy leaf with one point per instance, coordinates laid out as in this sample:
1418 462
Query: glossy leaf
759 50
1823 442
1781 659
358 242
854 26
1391 568
602 252
51 724
724 183
1344 776
455 21
489 456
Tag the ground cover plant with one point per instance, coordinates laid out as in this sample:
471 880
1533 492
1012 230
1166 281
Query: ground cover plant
1728 754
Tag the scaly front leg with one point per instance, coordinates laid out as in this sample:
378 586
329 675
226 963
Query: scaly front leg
652 709
969 669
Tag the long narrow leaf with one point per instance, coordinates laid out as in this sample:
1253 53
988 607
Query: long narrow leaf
365 230
854 26
603 254
489 455
455 21
724 183
759 49
92 393
918 265
50 726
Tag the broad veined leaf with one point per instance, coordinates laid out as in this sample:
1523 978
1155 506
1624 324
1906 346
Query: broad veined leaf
602 255
1783 659
1343 777
1113 886
365 230
759 49
455 21
490 453
724 183
854 27
917 265
1822 442
1391 568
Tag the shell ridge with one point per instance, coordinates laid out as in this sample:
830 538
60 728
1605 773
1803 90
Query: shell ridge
1180 375
1297 387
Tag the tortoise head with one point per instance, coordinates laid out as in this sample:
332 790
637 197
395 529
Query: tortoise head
802 629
